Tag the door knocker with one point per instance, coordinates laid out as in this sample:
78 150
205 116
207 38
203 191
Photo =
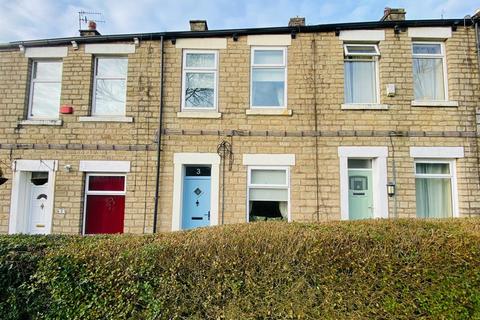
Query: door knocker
110 203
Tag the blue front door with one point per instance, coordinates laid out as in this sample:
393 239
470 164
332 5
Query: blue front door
196 198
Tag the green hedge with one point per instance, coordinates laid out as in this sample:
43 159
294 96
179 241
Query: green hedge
404 269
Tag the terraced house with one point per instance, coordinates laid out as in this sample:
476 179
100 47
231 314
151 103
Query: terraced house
302 123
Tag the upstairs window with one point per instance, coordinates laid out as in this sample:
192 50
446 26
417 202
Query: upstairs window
110 86
429 71
268 77
361 73
199 80
45 87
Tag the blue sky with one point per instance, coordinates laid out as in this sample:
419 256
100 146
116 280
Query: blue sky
35 19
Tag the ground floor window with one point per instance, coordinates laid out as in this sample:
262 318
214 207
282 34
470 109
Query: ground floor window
268 193
435 186
104 203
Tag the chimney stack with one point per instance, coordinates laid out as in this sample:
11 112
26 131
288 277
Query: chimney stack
393 14
91 31
198 25
296 22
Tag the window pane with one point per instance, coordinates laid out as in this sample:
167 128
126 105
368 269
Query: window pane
428 48
428 79
361 49
200 60
106 183
200 90
359 163
198 171
110 97
268 210
360 82
265 194
433 168
112 67
45 100
268 87
268 57
48 70
269 177
434 198
39 178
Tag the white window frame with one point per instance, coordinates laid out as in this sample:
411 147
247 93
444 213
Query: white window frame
213 70
33 81
95 77
268 186
368 57
267 66
100 193
452 175
433 55
347 53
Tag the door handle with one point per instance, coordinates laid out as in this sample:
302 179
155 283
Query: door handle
208 215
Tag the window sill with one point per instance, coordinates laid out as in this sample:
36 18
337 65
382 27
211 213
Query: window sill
38 122
199 114
417 103
105 119
364 106
269 112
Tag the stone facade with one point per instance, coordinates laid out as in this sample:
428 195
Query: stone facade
313 132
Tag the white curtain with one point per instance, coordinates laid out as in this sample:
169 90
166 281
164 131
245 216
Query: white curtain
428 79
283 207
433 194
268 87
434 197
360 82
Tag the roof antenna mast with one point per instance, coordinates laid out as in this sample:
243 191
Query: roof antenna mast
85 16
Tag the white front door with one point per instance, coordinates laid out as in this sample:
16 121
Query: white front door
31 209
38 206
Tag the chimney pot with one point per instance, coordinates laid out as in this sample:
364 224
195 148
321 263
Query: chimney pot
92 25
393 14
91 30
198 25
296 22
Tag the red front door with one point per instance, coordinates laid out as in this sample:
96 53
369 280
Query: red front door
105 204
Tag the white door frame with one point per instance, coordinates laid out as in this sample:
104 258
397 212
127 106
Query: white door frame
180 160
379 171
101 168
18 205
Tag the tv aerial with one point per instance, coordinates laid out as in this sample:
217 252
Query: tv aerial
85 16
